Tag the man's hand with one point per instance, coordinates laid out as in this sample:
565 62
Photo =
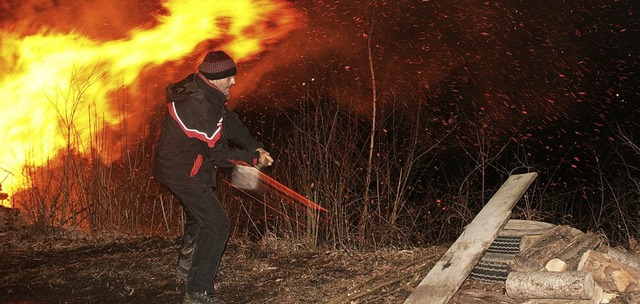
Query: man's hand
265 159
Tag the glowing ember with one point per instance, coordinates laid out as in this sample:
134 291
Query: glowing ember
58 88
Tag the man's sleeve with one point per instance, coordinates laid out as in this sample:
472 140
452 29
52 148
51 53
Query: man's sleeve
251 157
238 133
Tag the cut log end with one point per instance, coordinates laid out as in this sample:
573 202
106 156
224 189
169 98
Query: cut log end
556 265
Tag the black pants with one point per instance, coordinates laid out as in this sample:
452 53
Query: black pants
207 225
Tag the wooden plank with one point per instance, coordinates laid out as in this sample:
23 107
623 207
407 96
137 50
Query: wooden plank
448 274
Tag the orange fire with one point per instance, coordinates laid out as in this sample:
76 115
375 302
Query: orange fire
59 89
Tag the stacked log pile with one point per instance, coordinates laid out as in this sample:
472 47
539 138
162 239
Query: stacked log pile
565 265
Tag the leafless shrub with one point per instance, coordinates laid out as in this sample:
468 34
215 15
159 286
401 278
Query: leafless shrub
107 188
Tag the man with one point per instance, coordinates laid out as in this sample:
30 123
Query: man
192 144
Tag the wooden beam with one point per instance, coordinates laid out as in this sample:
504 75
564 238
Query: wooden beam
448 274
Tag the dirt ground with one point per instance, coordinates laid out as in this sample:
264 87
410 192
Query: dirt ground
69 269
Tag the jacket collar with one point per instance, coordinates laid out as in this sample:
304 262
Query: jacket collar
210 89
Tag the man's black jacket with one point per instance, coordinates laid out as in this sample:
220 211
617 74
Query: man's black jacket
193 138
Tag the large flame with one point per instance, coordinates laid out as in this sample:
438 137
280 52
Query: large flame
57 88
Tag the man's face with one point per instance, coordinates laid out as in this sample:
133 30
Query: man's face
225 84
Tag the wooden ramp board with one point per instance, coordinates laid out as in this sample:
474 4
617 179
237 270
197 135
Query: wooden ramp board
448 274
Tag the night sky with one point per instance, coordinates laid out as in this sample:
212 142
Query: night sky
558 78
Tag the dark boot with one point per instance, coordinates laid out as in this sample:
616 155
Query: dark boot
188 243
184 263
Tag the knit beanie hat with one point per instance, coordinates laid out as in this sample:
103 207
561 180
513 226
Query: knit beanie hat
217 65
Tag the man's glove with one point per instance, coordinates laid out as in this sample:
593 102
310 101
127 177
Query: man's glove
264 160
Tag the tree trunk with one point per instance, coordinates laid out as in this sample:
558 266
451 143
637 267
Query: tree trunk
573 251
631 260
566 285
610 273
545 248
527 240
